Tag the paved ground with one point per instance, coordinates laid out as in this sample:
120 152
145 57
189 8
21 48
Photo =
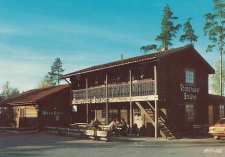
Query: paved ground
40 144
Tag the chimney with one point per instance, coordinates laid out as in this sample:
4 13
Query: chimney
164 49
121 57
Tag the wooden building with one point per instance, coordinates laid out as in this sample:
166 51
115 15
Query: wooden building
167 89
37 108
216 108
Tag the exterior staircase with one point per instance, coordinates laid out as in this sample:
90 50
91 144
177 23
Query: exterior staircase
149 111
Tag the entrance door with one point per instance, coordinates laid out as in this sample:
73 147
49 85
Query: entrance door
138 117
210 107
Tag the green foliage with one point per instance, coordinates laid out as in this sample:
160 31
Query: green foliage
46 82
189 34
148 48
55 74
8 91
168 29
215 30
215 79
214 25
1 97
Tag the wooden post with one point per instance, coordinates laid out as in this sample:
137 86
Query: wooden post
107 104
131 108
87 99
156 104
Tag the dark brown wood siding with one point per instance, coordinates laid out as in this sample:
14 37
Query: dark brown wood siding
171 75
54 109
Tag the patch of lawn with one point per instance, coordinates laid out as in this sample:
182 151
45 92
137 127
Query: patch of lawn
6 128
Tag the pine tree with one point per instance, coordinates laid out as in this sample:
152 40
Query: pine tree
215 30
215 79
189 34
148 48
56 72
168 30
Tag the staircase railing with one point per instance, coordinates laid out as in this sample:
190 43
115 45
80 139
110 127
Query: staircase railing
164 127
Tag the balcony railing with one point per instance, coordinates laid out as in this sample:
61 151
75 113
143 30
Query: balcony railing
99 94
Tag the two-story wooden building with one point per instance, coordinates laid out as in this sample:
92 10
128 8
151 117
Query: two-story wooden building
168 89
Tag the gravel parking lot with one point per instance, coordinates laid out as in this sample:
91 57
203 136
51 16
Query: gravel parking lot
40 144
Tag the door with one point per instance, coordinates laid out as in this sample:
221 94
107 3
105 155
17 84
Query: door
211 122
138 117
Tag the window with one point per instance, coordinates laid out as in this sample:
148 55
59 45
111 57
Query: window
74 108
189 76
221 110
103 113
22 112
137 112
189 112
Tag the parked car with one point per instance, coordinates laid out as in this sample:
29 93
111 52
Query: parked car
218 130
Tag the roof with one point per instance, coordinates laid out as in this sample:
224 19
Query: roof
30 97
147 57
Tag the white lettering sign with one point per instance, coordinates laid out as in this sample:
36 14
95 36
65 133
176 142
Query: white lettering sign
51 113
89 101
187 90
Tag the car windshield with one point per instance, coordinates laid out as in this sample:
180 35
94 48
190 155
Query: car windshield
221 121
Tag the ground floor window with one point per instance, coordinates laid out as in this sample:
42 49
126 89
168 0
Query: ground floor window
137 112
22 112
189 112
74 108
221 110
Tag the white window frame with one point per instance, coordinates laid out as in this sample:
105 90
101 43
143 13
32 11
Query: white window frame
189 77
221 111
137 112
190 112
22 112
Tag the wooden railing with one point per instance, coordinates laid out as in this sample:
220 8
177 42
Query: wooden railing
141 88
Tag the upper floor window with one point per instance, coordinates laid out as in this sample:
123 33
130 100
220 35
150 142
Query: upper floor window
189 76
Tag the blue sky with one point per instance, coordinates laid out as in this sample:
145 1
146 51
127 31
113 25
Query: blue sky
84 33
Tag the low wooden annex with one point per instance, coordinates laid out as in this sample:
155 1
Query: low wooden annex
37 108
165 91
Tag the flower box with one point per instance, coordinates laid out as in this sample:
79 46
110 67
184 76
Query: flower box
89 132
105 134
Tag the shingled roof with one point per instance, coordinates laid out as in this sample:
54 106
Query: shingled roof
147 57
32 96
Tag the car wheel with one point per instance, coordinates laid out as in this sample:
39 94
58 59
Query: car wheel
217 137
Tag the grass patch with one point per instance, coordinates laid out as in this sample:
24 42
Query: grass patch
6 128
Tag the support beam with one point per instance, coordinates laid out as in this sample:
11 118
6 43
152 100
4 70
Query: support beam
107 103
156 104
131 118
87 99
131 107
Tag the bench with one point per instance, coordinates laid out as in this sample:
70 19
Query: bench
65 131
200 129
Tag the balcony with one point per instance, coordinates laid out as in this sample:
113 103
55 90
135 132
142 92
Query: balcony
124 92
